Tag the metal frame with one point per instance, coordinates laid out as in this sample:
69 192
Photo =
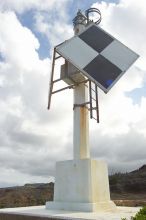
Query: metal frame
56 56
96 108
52 81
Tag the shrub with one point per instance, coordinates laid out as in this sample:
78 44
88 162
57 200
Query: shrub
141 215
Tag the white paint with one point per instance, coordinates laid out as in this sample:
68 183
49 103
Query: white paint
81 185
80 117
120 55
82 207
81 124
77 51
40 211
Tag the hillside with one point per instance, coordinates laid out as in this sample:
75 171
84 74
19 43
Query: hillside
27 195
133 182
126 189
129 188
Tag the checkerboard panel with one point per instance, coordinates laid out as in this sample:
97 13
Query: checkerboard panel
77 52
103 71
96 38
120 55
98 55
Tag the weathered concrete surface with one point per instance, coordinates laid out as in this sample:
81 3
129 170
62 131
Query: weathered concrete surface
40 213
81 185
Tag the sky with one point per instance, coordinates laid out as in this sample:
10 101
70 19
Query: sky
32 138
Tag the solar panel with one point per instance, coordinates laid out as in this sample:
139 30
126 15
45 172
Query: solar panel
99 56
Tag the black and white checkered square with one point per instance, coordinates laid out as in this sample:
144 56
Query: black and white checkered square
98 55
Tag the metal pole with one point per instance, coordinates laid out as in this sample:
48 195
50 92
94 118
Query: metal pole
80 117
51 79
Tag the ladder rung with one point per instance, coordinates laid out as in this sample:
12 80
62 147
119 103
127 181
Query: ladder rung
93 98
93 90
94 108
97 119
93 101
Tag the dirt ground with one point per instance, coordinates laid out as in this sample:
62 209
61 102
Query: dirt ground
128 199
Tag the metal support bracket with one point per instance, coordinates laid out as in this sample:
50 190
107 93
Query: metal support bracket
81 105
92 100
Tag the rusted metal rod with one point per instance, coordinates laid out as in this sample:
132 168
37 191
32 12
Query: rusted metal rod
90 97
67 87
51 80
97 105
56 80
58 57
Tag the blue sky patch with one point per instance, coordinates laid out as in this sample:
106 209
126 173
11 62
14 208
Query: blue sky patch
137 94
27 19
79 4
1 57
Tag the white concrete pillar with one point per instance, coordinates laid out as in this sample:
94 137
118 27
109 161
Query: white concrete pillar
81 117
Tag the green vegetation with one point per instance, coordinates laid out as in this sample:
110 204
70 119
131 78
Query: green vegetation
141 215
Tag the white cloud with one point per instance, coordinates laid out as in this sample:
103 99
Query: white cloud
56 30
20 178
29 133
21 5
31 138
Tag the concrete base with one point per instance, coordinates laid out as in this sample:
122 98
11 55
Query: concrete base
81 185
40 213
84 207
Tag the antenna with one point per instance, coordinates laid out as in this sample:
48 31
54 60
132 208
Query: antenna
90 11
79 18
